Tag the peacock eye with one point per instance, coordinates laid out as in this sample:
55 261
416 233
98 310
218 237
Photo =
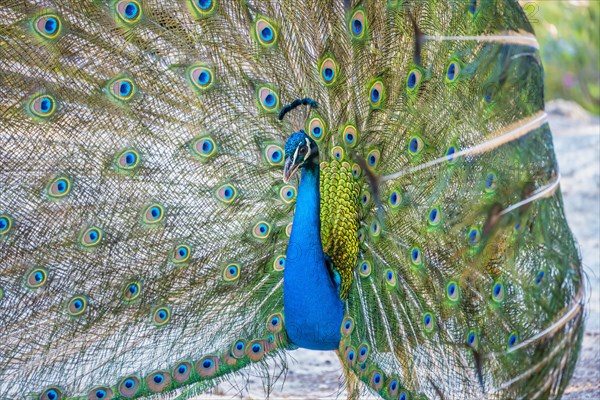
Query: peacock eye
303 150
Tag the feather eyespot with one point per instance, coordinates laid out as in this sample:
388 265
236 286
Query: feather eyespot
316 128
265 32
36 278
393 387
365 198
181 253
390 277
161 316
375 228
337 152
256 350
373 158
91 237
275 323
158 381
122 89
428 322
513 339
473 339
279 263
182 372
129 11
356 170
42 106
474 236
490 182
473 6
48 26
413 80
498 292
59 187
204 7
365 268
350 356
100 393
77 306
434 217
129 386
268 99
226 193
204 147
329 71
415 145
288 230
376 93
127 160
132 291
231 272
357 24
376 381
238 349
153 214
51 393
395 198
403 396
273 154
287 194
452 291
350 135
363 352
347 326
450 154
539 278
452 71
208 366
261 230
201 76
415 256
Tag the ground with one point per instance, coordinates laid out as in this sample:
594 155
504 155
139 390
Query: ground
317 374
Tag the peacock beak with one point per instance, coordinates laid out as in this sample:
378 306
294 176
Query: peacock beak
289 169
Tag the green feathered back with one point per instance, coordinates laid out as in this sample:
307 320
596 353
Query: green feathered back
144 223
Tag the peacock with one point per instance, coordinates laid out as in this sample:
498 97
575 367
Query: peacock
192 189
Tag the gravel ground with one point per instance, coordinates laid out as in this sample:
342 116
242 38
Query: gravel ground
317 374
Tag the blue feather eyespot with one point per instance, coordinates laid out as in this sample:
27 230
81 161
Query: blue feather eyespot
350 135
473 236
129 11
498 292
127 160
452 291
279 263
287 194
393 387
288 230
122 89
238 349
153 214
275 322
204 147
316 128
208 366
452 71
403 396
265 32
48 26
42 106
181 253
415 256
161 316
226 193
450 154
357 24
338 153
231 272
329 71
129 386
376 93
428 322
256 350
375 228
203 7
158 381
513 339
273 155
91 237
539 278
490 182
5 224
390 277
361 235
51 393
365 198
376 381
356 170
395 198
201 76
373 158
77 306
363 352
36 278
132 291
261 230
350 356
100 393
473 6
473 339
268 99
413 80
415 145
434 217
365 268
347 326
182 371
59 187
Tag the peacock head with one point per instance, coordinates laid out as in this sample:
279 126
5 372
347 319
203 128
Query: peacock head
300 150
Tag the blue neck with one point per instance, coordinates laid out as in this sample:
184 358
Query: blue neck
312 306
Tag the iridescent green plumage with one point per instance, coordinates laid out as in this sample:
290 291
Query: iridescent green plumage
144 224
